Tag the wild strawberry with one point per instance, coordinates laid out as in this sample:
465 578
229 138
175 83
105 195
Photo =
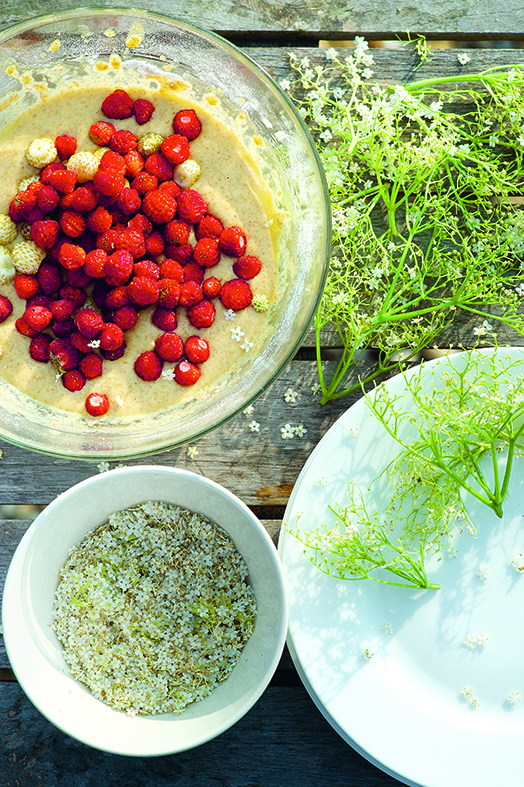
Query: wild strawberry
150 143
190 294
38 317
45 233
101 132
147 268
187 373
81 343
62 180
21 204
168 293
133 241
159 206
72 224
233 242
177 232
83 199
202 315
141 223
20 324
148 366
119 267
211 287
99 221
63 328
156 164
39 347
46 171
27 256
111 336
97 404
207 252
118 105
73 380
123 141
143 290
171 269
41 300
117 297
169 346
94 263
171 187
25 286
64 355
89 322
143 110
114 355
187 173
71 256
65 146
154 244
187 123
114 161
247 267
193 272
144 182
73 294
134 163
47 198
196 349
129 201
125 317
175 148
236 294
61 309
165 319
49 277
99 293
109 182
107 241
41 152
6 307
91 365
180 254
209 227
191 206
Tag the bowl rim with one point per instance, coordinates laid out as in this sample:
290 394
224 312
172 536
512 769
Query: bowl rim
24 655
96 454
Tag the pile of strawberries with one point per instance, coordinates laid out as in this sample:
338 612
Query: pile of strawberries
122 239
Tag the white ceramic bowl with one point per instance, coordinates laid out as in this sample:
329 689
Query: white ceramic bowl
36 654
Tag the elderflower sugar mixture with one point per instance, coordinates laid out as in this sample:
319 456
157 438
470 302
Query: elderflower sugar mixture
153 609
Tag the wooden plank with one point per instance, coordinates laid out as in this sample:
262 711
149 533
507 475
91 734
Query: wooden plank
283 741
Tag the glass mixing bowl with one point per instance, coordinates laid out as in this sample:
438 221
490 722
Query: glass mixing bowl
66 46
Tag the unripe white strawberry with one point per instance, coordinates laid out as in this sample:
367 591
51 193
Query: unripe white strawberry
8 229
41 152
85 164
27 256
7 269
186 173
27 182
149 143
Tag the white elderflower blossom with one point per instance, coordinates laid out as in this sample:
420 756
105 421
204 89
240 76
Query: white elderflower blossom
287 432
316 388
513 697
463 58
192 452
482 572
247 346
290 395
387 629
102 467
300 430
254 426
469 642
168 374
237 334
352 432
229 314
516 561
249 410
486 327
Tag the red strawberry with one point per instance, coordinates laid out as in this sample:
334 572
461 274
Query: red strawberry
207 252
247 267
80 342
193 272
100 133
77 277
211 287
111 337
63 328
133 241
63 354
117 297
109 182
159 206
209 227
95 263
143 110
187 373
97 404
125 317
148 366
72 224
20 324
89 322
38 317
180 254
196 349
73 380
25 286
144 182
129 201
177 232
123 142
22 203
154 244
99 221
71 256
147 268
91 365
39 347
134 163
118 105
114 355
141 223
45 233
175 148
236 294
62 309
186 122
190 294
143 290
65 146
114 161
62 180
83 199
169 346
49 277
156 164
119 267
47 198
233 242
107 241
191 206
168 293
202 315
6 307
165 319
171 269
171 187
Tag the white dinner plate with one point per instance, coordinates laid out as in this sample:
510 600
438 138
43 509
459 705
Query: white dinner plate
403 708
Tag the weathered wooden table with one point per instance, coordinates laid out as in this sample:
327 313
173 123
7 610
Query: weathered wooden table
284 739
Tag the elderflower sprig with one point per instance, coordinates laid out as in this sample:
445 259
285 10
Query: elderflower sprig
422 228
